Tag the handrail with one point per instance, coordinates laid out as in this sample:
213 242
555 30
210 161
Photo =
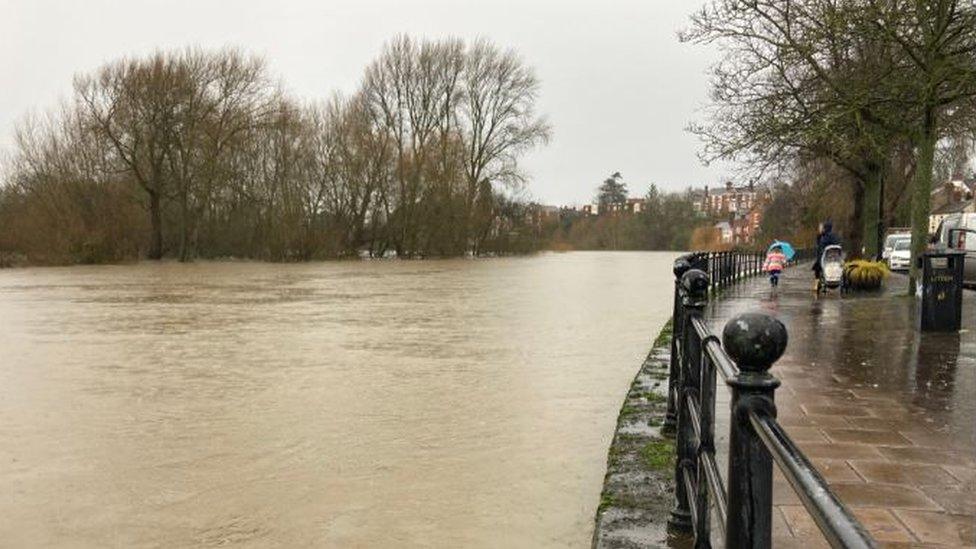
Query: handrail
712 346
750 344
831 515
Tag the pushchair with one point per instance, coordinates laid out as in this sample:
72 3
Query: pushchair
832 274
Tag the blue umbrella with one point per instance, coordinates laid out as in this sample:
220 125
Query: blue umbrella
788 250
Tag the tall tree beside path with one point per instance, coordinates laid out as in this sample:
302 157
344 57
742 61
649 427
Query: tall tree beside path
934 80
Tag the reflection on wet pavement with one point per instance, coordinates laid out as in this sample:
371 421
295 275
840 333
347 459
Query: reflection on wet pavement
888 415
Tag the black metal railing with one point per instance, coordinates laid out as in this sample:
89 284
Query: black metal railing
750 344
726 268
723 269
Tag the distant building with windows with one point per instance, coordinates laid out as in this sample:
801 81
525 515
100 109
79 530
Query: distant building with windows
730 199
631 206
740 208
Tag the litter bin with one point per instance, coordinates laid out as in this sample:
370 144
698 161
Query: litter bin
940 309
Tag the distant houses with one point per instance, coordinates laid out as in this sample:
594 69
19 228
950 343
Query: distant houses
730 199
740 208
632 206
954 196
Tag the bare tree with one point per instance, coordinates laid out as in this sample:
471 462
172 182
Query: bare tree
134 104
500 120
226 164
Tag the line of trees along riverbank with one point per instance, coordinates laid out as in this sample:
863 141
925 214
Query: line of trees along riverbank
200 154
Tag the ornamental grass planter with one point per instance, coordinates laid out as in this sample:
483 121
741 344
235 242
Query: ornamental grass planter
864 275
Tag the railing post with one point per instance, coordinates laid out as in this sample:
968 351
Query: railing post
712 269
681 265
694 297
706 447
755 341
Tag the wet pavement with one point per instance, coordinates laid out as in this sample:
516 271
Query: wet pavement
886 414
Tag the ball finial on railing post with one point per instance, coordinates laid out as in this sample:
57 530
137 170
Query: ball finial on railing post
754 341
694 285
681 266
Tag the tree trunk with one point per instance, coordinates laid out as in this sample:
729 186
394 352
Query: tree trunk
184 229
921 195
854 234
156 227
872 210
882 225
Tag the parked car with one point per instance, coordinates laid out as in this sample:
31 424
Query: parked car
900 257
889 243
958 232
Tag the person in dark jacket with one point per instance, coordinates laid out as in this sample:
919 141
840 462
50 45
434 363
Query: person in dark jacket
825 237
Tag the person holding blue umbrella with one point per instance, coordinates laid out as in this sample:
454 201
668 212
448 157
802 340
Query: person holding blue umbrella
784 247
776 257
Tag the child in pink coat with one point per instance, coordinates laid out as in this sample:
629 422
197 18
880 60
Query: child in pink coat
775 262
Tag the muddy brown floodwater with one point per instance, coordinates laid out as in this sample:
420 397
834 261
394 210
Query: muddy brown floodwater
363 404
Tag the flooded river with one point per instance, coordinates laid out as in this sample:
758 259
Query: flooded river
362 404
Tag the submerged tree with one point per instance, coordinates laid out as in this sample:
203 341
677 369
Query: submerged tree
423 159
457 117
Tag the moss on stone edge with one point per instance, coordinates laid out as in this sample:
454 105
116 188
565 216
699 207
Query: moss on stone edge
654 398
658 455
664 337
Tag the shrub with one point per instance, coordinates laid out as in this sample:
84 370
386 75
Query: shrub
865 275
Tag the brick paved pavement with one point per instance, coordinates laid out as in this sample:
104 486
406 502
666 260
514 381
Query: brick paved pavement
886 414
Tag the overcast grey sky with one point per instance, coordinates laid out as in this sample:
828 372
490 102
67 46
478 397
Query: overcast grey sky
617 85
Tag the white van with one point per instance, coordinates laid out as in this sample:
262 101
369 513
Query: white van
889 243
958 232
